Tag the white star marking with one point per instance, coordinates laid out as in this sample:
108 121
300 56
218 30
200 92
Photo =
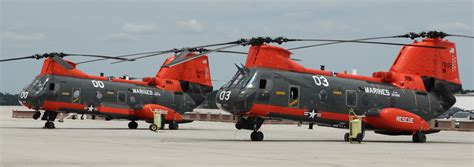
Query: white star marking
311 114
90 108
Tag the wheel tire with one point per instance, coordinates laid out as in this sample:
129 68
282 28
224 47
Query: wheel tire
359 137
82 117
346 137
49 125
74 117
133 125
256 136
173 126
153 127
238 125
419 138
36 115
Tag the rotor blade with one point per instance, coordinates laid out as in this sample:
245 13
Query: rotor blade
156 53
464 36
173 63
61 62
234 52
367 42
360 39
121 56
18 58
100 56
141 57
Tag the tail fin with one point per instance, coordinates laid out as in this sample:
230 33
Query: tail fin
430 64
194 76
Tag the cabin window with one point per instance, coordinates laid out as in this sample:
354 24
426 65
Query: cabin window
122 97
51 86
99 95
323 95
294 97
262 84
351 98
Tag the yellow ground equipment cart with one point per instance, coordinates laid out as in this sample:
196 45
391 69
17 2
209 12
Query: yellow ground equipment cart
158 120
356 132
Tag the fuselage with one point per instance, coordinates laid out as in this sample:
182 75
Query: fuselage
113 99
318 98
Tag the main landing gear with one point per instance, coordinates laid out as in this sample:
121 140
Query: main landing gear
49 117
251 123
173 125
419 137
132 125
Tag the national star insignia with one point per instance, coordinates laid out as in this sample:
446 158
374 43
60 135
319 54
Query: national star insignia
90 108
311 114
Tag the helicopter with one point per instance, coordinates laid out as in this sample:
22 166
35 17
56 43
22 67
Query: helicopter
418 87
62 88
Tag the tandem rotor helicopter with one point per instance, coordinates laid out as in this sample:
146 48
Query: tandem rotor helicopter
62 88
418 87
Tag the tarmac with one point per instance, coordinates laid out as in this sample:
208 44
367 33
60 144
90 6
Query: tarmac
110 143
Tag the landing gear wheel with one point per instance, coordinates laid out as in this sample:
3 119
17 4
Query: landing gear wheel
49 125
74 117
346 137
82 117
238 125
256 136
36 115
419 138
133 125
153 127
359 137
173 126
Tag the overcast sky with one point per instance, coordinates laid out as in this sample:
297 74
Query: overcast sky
124 26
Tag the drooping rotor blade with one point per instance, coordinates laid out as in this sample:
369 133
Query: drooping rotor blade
361 39
176 62
18 58
61 62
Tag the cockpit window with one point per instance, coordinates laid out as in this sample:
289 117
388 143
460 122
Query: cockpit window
239 80
251 83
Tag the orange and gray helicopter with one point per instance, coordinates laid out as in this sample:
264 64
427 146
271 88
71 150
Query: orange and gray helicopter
418 87
62 88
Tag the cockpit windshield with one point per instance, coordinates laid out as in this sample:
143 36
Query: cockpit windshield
240 79
38 83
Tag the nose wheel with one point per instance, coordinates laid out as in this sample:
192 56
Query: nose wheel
133 125
49 125
251 123
36 115
256 136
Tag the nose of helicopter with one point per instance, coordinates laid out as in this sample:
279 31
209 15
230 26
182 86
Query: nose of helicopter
30 99
236 101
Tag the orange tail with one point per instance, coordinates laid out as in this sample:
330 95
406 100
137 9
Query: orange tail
430 64
191 77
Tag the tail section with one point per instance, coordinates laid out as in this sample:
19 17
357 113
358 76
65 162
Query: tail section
192 77
430 64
